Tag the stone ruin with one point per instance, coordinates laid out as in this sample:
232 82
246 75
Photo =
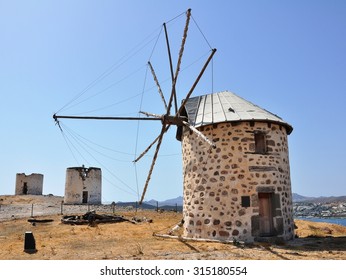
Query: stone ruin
83 185
29 184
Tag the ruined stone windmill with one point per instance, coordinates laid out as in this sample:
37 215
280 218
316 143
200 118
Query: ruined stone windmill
235 162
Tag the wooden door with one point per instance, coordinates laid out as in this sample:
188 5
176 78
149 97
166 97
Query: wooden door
266 214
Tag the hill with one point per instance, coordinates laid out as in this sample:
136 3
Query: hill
322 199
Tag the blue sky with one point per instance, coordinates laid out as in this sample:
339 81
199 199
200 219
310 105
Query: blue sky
286 56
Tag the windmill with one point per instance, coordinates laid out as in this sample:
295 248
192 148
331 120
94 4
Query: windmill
168 118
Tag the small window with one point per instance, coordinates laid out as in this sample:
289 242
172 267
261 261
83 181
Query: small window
245 201
260 143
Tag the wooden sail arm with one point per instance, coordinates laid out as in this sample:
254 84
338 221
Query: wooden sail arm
149 147
150 114
159 141
177 69
157 84
174 77
199 134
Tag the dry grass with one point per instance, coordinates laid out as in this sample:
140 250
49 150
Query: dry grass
136 241
57 241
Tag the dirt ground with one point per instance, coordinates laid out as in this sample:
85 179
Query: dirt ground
126 241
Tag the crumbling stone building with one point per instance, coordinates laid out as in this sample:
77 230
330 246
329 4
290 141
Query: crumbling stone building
83 185
29 184
240 190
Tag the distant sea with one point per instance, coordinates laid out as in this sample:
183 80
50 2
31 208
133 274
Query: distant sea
338 221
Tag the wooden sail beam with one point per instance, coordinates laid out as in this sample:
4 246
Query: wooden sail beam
149 147
150 114
180 56
175 76
163 130
199 134
157 84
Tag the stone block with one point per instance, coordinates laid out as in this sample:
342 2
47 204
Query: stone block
29 243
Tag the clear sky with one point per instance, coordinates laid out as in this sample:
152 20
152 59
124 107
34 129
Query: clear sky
90 57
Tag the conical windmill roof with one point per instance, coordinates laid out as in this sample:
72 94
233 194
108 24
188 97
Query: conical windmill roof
227 107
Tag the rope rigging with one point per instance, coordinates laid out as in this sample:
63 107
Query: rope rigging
140 46
78 144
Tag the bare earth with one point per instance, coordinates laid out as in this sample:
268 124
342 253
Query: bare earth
126 240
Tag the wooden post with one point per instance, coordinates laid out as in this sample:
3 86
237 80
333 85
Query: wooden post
176 208
61 211
32 210
136 206
157 206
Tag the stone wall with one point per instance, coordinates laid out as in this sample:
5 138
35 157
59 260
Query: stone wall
222 185
81 180
29 184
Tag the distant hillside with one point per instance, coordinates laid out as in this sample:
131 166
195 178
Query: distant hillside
299 198
147 206
330 199
321 199
178 201
169 202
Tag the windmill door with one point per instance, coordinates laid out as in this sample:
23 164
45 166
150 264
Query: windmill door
266 214
85 197
25 188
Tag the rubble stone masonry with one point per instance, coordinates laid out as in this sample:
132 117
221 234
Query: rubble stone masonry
222 184
29 184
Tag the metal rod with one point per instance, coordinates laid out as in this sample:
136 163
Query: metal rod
170 65
169 51
196 82
55 117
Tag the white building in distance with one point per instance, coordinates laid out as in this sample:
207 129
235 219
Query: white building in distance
83 185
29 184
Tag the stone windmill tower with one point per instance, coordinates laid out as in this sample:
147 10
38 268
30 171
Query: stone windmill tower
241 189
83 185
235 160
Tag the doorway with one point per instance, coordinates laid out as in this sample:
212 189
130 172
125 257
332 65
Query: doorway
85 197
25 188
266 226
